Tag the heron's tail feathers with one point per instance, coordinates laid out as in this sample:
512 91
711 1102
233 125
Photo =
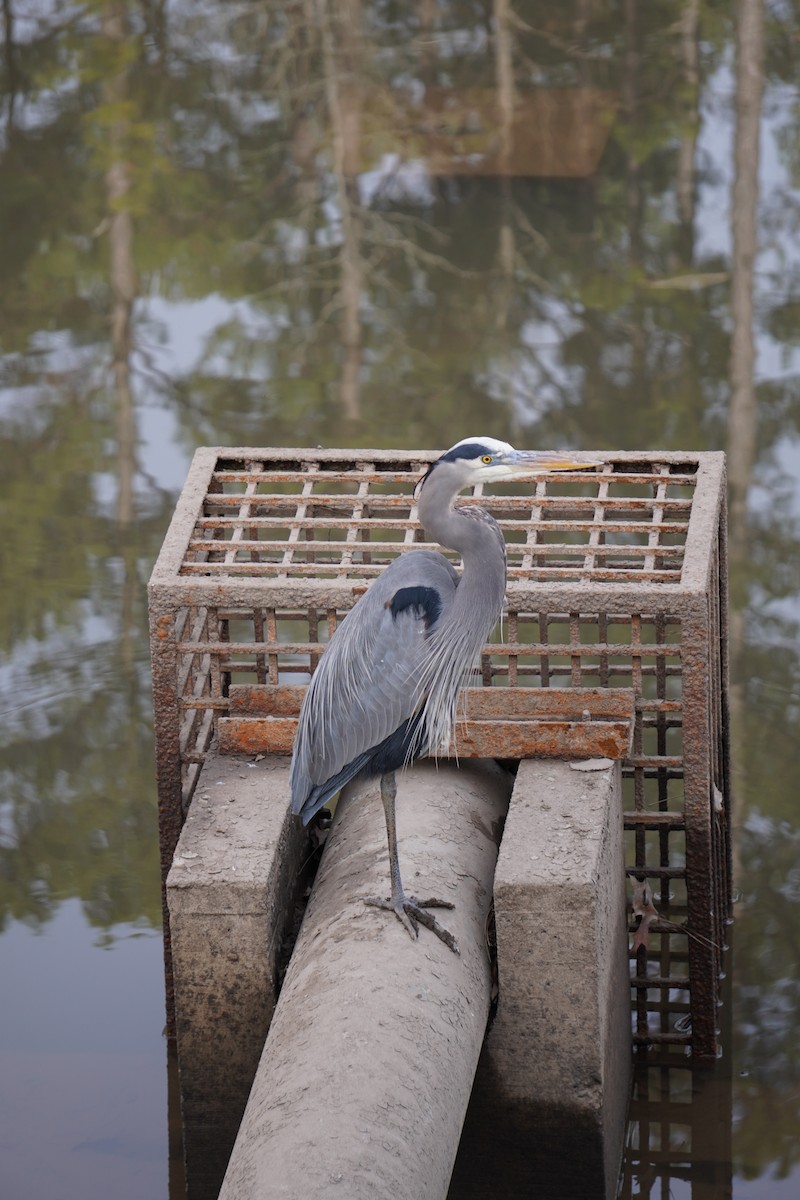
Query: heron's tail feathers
307 803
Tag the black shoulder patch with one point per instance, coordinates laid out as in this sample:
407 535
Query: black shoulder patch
426 600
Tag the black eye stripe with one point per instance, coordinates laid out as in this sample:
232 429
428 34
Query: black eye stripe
468 450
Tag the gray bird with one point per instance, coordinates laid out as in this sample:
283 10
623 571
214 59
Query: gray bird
386 688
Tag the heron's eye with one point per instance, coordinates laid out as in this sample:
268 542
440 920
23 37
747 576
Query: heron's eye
486 458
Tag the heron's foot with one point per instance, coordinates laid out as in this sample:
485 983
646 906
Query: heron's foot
411 913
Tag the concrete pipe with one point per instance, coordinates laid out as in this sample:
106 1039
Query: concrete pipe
365 1077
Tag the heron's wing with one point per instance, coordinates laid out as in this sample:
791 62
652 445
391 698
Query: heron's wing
367 682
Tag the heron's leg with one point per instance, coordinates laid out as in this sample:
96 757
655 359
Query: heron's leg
408 909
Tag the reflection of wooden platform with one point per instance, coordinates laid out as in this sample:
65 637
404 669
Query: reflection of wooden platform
556 133
500 722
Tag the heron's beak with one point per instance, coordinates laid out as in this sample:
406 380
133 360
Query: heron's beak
538 461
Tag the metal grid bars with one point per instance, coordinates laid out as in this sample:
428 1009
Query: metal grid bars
679 1130
616 579
345 520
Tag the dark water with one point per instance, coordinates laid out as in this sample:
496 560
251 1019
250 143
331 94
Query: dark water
228 224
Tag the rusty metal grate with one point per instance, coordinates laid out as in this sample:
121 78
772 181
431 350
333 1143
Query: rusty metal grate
345 520
679 1131
616 581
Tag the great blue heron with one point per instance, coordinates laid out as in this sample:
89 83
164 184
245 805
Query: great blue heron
385 690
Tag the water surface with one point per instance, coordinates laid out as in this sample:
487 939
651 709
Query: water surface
306 224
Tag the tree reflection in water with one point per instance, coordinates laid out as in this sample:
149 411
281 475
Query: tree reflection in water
244 224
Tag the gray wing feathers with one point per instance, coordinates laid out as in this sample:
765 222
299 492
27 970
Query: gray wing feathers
367 682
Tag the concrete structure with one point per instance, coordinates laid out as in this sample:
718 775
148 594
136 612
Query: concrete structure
367 1070
616 584
229 891
554 1079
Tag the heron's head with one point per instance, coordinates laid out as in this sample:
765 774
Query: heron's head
485 459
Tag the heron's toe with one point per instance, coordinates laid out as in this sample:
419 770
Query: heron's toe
411 913
399 908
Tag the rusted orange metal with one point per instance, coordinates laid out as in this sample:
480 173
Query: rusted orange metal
496 722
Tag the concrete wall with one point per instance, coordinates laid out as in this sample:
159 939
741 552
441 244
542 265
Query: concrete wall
557 1062
229 890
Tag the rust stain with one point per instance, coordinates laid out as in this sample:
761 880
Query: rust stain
478 739
500 723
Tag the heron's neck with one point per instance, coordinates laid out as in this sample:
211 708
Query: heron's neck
476 538
461 634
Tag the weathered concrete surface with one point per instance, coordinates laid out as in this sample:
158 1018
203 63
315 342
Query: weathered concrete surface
228 891
366 1073
556 1066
